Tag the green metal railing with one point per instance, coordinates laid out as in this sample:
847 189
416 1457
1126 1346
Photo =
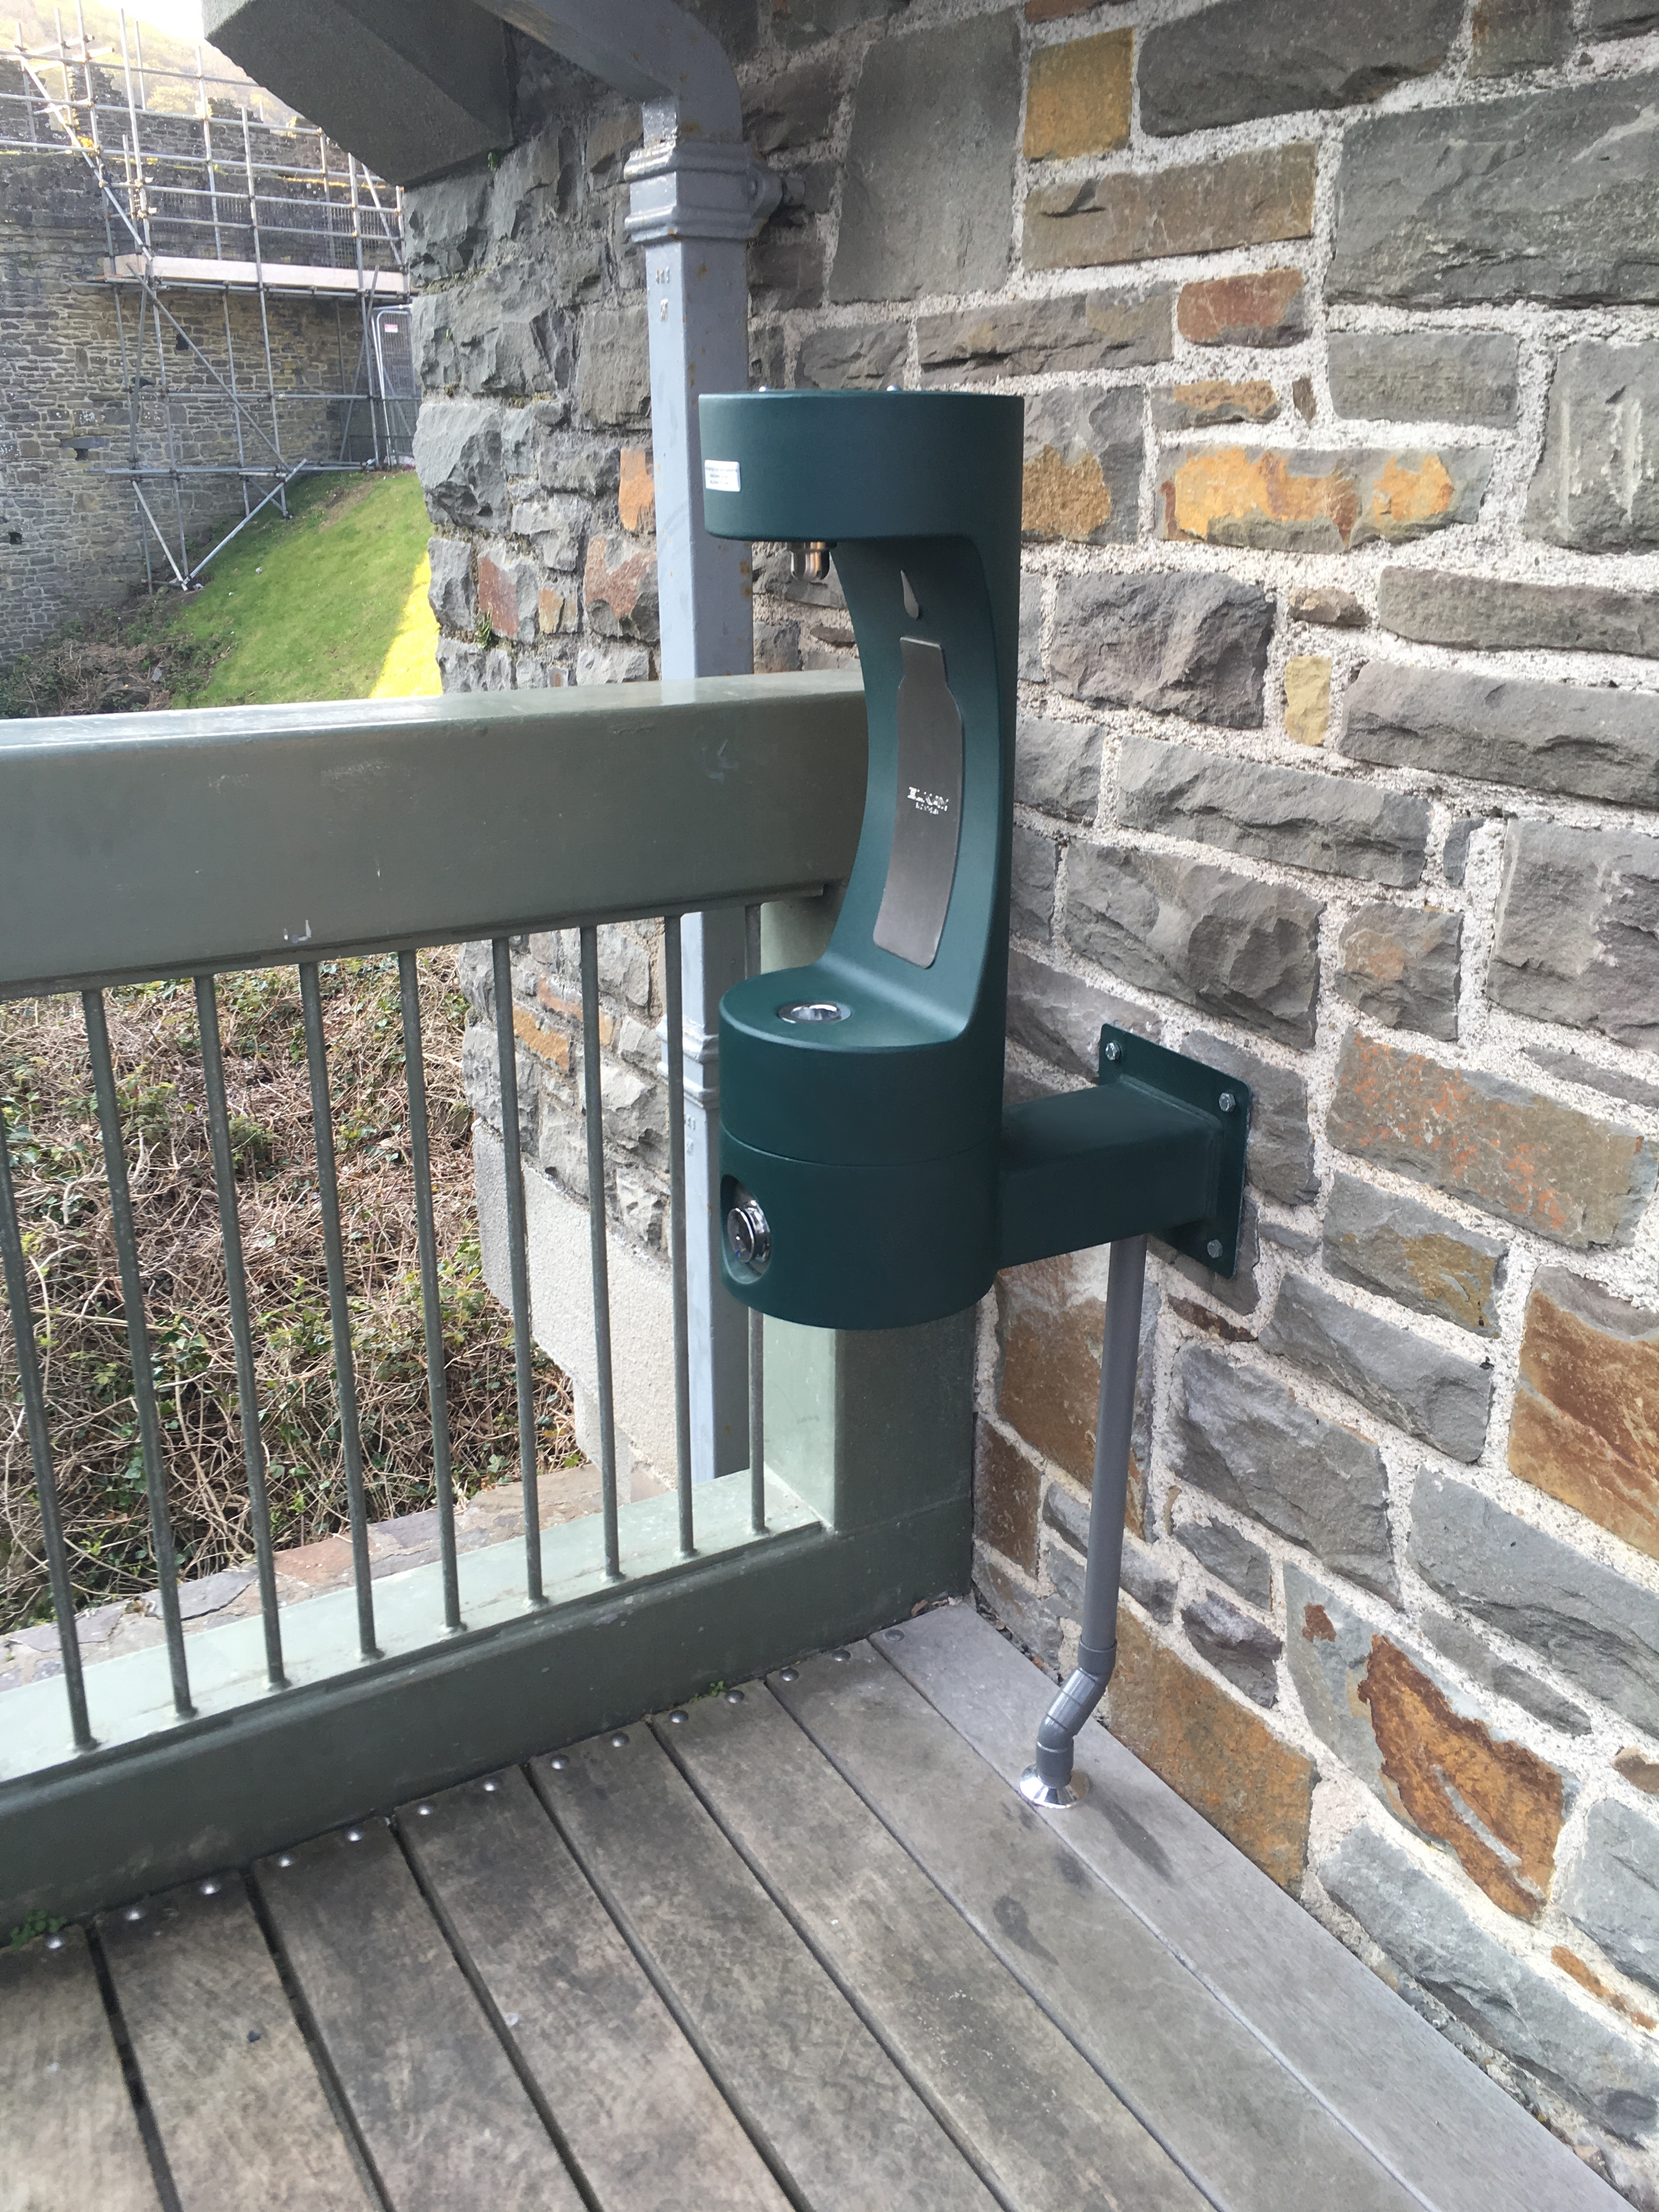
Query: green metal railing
193 845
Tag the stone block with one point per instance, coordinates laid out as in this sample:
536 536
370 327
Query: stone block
1237 1433
1508 2004
1060 1019
619 588
1050 1316
1325 605
1212 400
1230 945
1253 198
1549 196
508 590
1007 1494
928 187
1400 965
1237 1290
503 336
798 22
443 225
1030 664
1308 697
1562 1174
1424 376
1246 58
636 491
1439 607
1081 331
1244 1651
1033 1619
555 525
1076 100
1455 853
458 458
1215 1753
613 367
1425 1749
450 592
1403 1250
1474 1657
791 107
1613 1081
867 356
1593 1625
1082 470
1613 1889
786 263
1511 35
1638 1770
1575 740
1433 1394
1621 19
1334 824
1036 870
557 610
1278 1161
1596 486
1232 1559
1577 934
1193 645
1264 308
1302 500
460 666
1148 1583
1585 1426
1057 767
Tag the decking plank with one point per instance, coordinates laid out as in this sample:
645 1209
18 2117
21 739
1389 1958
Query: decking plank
241 2114
1437 2122
1034 2111
445 2118
68 2137
1214 2096
645 2124
807 2076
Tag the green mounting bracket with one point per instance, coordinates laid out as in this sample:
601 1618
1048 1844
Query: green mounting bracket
870 1177
1157 1148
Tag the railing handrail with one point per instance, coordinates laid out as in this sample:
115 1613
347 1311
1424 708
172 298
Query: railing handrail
147 845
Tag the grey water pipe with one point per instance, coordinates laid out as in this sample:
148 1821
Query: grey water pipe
1050 1781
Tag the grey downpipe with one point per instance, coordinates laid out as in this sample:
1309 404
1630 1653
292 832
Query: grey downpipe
1049 1781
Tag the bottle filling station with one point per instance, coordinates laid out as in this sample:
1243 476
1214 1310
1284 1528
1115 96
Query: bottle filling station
871 1175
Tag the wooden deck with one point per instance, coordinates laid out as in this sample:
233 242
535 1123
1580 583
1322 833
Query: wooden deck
806 1945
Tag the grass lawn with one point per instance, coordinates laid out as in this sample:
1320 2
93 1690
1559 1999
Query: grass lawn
328 604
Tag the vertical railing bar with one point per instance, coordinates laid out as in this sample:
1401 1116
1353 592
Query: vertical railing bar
752 966
46 1479
144 1379
593 1105
248 1388
507 1059
431 1309
339 1313
674 1011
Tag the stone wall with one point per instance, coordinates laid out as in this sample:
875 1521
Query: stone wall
1339 766
69 539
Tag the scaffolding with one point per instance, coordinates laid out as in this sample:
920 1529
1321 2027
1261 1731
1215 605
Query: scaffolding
200 192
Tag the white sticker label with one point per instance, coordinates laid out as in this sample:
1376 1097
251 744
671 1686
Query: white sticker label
722 476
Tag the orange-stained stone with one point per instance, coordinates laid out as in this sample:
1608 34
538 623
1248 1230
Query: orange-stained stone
498 597
1216 1753
1521 1155
1300 501
1007 1494
555 610
1217 399
546 1044
1063 499
1638 1768
1228 485
1494 1804
1586 1421
618 577
1077 99
1588 1979
1308 697
1403 497
1266 306
636 490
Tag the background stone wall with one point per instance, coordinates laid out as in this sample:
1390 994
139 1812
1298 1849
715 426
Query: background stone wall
1338 764
69 542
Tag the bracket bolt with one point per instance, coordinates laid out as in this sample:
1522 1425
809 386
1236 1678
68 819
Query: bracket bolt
1214 1248
1112 1049
1226 1101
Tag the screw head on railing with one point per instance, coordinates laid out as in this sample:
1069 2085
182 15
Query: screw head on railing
354 1835
734 1697
789 1675
841 1656
54 1942
619 1742
677 1718
1226 1101
892 1635
490 1788
209 1889
133 1912
425 1812
285 1861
